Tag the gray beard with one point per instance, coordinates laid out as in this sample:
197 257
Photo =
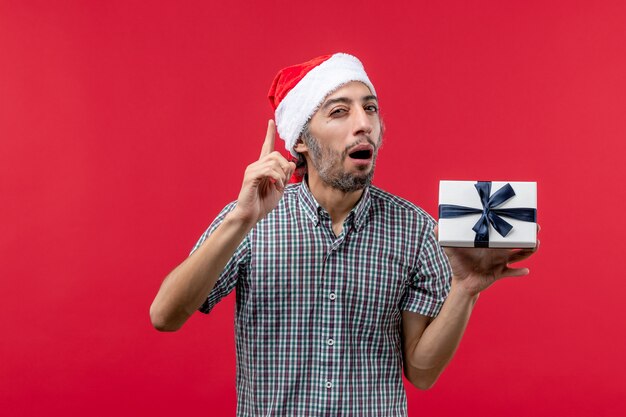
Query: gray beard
342 181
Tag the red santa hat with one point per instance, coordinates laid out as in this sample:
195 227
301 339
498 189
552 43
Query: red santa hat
299 90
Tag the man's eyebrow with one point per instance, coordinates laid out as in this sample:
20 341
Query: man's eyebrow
332 101
345 100
370 97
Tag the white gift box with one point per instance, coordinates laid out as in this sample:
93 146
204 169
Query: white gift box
461 208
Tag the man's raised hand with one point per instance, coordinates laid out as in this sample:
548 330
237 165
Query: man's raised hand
264 181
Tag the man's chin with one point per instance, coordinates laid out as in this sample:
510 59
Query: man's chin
348 183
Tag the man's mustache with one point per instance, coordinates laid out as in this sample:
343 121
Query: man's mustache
365 138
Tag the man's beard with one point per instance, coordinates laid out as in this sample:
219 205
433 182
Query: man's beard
329 164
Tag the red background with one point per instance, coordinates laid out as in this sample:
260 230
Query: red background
125 127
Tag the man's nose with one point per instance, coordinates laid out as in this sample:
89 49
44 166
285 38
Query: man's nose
362 122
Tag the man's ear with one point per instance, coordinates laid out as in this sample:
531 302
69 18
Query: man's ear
300 147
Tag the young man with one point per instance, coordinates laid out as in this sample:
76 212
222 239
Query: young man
340 285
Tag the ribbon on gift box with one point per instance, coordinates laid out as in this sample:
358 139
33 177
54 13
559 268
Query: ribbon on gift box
489 213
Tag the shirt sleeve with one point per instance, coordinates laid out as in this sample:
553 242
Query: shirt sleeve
236 267
429 284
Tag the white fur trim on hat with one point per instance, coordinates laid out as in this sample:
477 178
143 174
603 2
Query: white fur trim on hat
303 100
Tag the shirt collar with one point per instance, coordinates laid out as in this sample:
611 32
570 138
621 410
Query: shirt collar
313 210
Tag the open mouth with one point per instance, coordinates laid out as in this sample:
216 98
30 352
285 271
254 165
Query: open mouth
362 152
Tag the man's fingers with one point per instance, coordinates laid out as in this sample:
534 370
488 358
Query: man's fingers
279 162
276 161
278 158
275 177
268 145
291 168
285 165
270 170
515 272
521 255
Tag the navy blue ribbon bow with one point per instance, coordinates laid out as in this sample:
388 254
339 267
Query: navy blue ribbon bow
489 213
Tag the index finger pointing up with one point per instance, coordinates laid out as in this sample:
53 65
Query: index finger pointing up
268 145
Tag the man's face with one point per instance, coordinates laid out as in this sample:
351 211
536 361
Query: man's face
343 138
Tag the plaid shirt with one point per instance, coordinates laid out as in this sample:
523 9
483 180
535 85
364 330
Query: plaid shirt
318 316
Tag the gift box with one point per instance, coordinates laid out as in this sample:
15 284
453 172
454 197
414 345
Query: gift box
488 214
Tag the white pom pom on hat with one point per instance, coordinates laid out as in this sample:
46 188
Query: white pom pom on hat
299 90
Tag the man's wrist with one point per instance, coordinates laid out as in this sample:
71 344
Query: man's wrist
237 217
460 290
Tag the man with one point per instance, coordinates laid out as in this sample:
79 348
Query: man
340 285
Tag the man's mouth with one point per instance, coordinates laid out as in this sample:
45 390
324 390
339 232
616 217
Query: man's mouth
362 152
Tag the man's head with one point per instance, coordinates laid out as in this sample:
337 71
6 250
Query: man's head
327 113
342 139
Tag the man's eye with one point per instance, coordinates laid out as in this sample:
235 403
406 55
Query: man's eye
337 112
371 108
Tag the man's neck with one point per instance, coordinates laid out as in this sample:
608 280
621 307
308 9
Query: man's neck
336 202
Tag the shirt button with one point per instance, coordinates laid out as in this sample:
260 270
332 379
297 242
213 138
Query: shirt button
332 296
331 342
329 384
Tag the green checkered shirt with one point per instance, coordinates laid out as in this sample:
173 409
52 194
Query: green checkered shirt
318 316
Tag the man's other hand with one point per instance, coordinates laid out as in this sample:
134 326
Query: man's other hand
475 269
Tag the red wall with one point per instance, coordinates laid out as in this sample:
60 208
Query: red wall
125 126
